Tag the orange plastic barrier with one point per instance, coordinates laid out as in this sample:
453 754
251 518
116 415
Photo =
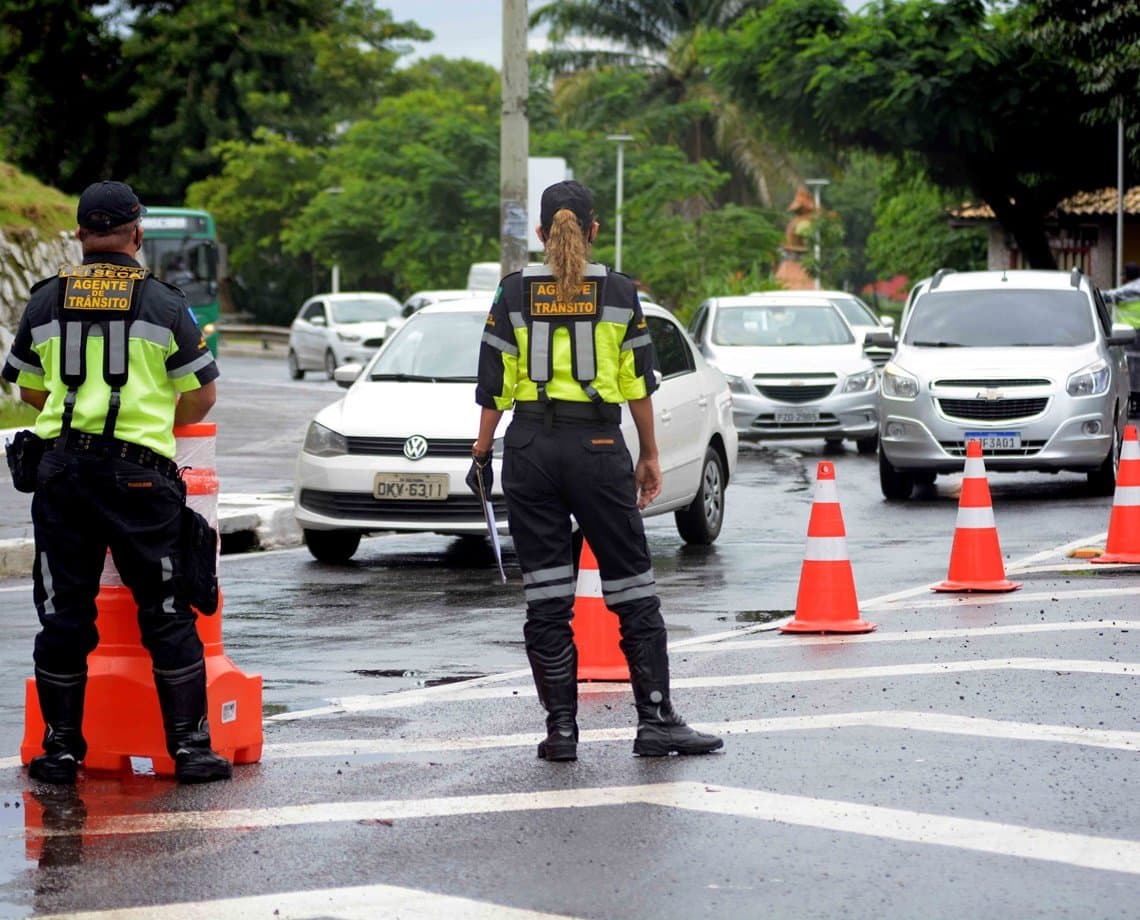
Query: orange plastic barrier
1123 543
595 626
826 602
122 718
975 557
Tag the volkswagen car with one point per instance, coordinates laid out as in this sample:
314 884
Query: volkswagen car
796 368
393 453
1027 362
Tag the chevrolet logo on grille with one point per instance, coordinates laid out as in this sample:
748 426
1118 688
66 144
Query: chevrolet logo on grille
990 395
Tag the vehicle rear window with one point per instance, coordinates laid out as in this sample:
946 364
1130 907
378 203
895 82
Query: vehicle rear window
1000 319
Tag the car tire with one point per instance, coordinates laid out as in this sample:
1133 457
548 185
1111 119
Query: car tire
700 523
1102 480
330 364
867 445
334 546
295 369
896 485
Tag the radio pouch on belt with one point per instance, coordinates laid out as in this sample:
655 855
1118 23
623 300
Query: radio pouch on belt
23 453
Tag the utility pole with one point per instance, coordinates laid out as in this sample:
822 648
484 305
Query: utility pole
620 140
513 140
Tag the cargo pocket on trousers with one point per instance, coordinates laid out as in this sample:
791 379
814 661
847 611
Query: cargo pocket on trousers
516 438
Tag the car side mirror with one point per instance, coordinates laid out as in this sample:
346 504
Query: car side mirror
1122 334
887 320
319 321
345 375
658 376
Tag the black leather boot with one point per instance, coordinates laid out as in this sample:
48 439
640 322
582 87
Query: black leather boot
61 704
556 680
660 730
182 696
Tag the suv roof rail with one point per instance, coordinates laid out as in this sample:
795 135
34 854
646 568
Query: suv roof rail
1075 277
938 276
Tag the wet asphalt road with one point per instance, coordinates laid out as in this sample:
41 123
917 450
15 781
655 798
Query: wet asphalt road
974 756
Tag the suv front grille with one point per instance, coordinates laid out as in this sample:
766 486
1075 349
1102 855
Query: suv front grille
394 447
995 384
992 410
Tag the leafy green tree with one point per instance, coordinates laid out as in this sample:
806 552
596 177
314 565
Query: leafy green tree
912 235
969 93
644 75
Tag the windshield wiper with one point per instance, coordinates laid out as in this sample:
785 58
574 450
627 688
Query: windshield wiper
938 344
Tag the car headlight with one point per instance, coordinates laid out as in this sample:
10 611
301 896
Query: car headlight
898 383
1089 381
860 383
324 442
738 385
349 336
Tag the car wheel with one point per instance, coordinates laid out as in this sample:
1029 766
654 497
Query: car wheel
295 370
896 485
701 522
1102 480
330 364
335 546
867 445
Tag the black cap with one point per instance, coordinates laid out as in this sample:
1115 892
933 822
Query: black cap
569 194
108 204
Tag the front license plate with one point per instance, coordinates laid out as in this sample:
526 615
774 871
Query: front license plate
410 486
797 415
996 440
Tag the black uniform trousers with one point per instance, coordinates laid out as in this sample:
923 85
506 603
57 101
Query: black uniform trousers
83 504
580 468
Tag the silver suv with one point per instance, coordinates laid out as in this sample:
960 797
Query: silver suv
1027 362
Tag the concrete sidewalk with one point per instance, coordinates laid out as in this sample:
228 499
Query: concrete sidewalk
246 522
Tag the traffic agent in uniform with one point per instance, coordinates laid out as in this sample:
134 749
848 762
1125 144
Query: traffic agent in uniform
113 359
565 344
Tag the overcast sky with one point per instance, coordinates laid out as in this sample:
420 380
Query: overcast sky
468 28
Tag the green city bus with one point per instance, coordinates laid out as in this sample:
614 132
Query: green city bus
180 246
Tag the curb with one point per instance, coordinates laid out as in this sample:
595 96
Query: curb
245 523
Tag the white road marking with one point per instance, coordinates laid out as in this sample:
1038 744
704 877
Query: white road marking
916 635
941 723
991 600
461 692
363 902
1018 841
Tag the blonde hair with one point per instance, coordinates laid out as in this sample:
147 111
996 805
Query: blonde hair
567 252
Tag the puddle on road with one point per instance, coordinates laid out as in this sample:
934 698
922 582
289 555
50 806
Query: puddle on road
416 676
761 616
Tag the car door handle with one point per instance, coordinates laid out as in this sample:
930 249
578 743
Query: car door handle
666 415
703 402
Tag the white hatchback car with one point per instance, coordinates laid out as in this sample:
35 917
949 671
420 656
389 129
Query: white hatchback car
1029 363
393 453
335 329
795 368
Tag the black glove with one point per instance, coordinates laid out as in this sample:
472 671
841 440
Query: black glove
480 469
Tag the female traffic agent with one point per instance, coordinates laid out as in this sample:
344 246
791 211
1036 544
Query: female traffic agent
566 344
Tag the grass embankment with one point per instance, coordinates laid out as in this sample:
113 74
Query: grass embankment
26 203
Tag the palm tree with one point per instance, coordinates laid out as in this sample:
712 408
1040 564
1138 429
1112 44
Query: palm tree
653 44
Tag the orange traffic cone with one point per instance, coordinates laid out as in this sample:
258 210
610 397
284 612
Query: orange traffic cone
826 601
975 557
1124 524
595 626
122 719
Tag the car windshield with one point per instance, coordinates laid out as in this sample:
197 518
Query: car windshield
1000 319
855 311
364 310
780 325
432 346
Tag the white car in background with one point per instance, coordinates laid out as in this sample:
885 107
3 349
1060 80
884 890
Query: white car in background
795 368
860 317
393 453
335 329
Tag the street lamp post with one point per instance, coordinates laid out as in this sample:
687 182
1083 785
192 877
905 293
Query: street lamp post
620 140
335 280
816 185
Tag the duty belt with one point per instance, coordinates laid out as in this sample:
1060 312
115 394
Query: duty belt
561 410
82 442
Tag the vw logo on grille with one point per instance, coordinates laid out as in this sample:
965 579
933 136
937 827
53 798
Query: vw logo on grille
416 447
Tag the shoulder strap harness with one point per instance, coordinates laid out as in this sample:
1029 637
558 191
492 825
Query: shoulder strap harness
545 313
103 295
